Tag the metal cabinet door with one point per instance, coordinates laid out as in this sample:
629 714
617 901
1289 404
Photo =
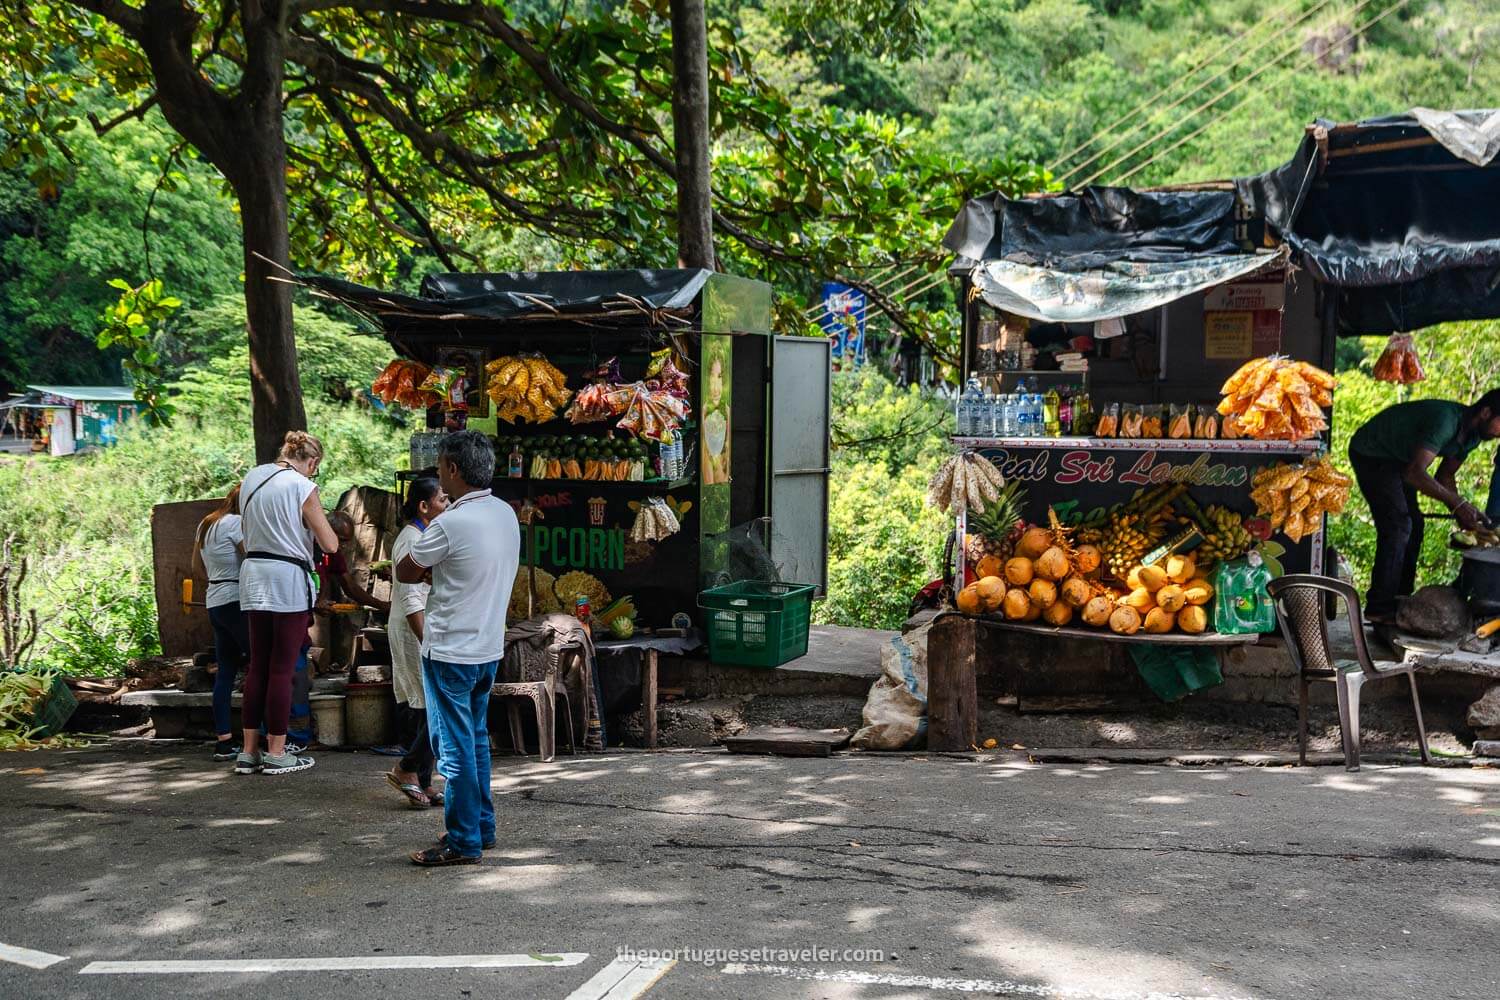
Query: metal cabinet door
800 386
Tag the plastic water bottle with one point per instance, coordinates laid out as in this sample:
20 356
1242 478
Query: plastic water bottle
967 409
1023 416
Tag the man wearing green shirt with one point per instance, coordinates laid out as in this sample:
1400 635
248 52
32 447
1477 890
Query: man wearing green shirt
1392 456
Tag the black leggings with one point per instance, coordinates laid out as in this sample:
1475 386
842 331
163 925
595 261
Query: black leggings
418 743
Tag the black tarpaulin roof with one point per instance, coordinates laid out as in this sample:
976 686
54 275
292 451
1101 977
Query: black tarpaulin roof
1094 227
1399 215
446 298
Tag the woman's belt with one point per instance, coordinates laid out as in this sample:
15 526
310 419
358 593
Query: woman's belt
300 563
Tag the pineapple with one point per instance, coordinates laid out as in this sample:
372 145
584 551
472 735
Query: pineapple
994 532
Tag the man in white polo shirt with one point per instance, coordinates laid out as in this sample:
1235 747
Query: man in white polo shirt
472 550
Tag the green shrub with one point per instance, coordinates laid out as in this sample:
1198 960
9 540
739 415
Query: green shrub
884 543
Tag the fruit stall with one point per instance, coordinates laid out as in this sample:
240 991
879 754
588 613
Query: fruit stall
1142 428
648 428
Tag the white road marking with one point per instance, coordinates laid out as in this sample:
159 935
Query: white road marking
29 958
1000 987
623 979
336 964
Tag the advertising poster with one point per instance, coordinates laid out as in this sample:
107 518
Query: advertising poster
843 319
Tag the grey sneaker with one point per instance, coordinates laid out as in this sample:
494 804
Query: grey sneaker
284 764
247 763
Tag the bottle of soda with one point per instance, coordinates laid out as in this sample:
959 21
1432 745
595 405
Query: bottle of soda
583 613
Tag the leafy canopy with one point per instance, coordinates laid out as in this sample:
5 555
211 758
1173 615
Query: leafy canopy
427 124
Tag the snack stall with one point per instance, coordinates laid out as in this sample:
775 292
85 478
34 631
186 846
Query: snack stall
637 427
1150 386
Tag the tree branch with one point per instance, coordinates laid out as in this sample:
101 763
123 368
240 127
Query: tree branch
357 143
139 111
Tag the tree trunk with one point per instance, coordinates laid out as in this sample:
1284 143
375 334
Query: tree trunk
243 137
275 388
691 135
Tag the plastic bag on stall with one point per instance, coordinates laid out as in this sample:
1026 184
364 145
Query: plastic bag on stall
1242 603
1399 362
895 714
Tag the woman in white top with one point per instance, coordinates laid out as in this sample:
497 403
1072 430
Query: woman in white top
218 550
281 515
412 777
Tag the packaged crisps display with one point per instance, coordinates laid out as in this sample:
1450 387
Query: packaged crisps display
1108 424
1294 498
1399 362
669 379
399 384
658 361
526 388
1277 399
1242 605
1206 423
1151 421
1180 421
1229 428
654 416
1131 420
440 381
596 401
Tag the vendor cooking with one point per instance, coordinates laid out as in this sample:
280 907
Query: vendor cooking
1392 456
336 577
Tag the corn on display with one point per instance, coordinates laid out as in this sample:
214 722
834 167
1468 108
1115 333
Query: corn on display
526 388
1294 498
967 481
1277 399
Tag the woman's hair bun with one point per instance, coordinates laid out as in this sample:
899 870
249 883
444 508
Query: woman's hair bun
301 446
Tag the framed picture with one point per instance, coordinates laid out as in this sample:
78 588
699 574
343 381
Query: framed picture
468 391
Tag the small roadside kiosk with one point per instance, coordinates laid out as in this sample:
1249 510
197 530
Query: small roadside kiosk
72 417
1093 312
724 426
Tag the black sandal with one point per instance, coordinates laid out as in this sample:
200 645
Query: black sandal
439 857
443 843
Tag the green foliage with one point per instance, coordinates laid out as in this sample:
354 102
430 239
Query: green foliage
85 520
333 358
884 543
134 323
1454 371
60 244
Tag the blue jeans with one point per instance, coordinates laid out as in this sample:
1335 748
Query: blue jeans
458 701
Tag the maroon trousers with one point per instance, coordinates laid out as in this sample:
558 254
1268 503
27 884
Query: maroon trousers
276 640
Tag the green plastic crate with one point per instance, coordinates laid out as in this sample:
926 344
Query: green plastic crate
755 624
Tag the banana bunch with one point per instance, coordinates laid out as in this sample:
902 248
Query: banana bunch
965 482
1228 539
529 388
1129 536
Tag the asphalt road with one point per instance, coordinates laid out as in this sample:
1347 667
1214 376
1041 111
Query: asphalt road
999 878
